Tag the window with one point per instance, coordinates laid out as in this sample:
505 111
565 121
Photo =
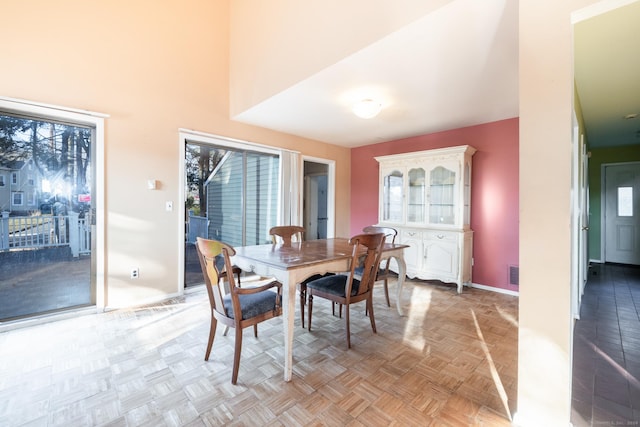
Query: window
16 198
625 201
1 180
14 178
30 180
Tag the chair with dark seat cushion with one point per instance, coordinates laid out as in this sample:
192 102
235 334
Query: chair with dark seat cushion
286 235
239 307
383 271
346 289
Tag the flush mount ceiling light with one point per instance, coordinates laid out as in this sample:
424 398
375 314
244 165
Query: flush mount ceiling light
367 108
631 116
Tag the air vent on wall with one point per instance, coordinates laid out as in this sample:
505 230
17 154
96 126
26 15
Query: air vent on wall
514 275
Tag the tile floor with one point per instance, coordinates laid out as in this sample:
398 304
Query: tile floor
606 363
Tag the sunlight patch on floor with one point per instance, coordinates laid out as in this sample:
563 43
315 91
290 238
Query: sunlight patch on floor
420 303
492 367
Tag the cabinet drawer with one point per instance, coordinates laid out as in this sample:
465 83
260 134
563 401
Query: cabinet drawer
443 236
410 235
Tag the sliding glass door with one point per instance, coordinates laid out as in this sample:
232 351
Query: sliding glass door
232 195
47 183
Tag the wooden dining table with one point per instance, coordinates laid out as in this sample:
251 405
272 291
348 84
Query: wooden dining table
292 264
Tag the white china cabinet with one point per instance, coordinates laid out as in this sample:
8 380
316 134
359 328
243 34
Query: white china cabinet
426 196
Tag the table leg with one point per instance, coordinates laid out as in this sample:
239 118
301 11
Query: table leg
402 271
288 313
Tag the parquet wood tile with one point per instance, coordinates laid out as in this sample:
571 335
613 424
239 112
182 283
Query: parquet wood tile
435 366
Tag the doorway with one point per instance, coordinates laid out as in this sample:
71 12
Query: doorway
621 220
318 209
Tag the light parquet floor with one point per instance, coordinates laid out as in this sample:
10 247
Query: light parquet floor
450 361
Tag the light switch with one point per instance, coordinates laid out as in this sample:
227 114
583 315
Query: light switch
151 184
169 206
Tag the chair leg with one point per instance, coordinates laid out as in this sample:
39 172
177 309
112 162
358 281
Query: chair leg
255 330
236 356
386 291
310 299
212 335
346 316
371 318
303 301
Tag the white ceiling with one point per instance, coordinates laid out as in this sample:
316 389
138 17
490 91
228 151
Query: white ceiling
457 67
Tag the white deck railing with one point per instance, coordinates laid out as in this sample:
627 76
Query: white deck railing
32 232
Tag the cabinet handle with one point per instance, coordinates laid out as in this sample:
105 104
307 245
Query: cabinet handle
440 236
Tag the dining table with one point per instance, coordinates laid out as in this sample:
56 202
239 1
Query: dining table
291 264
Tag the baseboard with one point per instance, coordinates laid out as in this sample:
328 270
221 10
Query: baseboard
493 289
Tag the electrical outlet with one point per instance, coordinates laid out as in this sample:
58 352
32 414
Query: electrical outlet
168 206
135 273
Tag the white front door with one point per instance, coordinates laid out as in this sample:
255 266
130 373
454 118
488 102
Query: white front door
622 219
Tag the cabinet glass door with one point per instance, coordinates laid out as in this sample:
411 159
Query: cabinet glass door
392 197
416 190
442 196
467 194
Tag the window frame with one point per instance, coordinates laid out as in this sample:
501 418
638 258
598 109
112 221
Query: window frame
13 198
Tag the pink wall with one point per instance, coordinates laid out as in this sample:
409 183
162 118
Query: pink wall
494 194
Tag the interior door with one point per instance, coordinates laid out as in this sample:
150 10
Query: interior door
584 220
622 222
311 208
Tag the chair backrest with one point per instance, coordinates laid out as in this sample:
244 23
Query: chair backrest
390 237
208 251
369 261
389 233
286 233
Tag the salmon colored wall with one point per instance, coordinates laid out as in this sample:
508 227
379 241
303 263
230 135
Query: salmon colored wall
153 69
494 194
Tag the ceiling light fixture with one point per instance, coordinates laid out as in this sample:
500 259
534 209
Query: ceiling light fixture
631 116
367 108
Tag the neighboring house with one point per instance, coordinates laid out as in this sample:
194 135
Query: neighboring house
20 184
252 177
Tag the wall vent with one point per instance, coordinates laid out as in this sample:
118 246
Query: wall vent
514 275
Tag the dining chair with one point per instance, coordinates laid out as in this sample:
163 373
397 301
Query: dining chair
238 308
234 269
346 289
383 271
286 234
